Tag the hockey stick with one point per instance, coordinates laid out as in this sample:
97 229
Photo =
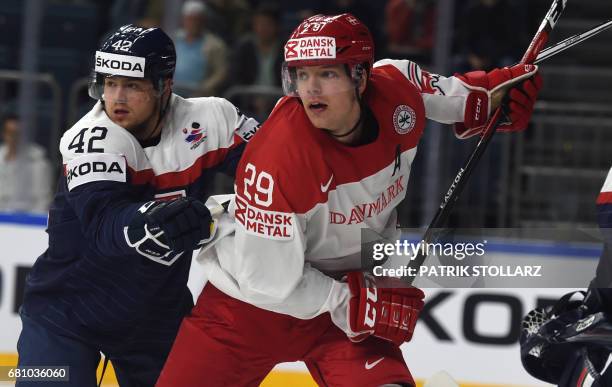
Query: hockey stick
219 210
464 173
215 213
571 41
441 379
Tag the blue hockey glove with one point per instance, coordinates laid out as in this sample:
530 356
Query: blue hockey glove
163 230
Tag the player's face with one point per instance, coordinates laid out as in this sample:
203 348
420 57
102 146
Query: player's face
328 96
10 133
129 102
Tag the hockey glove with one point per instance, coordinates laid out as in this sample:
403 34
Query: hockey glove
487 90
163 230
383 307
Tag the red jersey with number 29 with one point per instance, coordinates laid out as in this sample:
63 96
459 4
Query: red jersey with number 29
303 197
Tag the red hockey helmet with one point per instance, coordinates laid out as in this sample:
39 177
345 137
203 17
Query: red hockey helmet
323 40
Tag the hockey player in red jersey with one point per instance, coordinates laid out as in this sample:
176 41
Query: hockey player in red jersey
285 279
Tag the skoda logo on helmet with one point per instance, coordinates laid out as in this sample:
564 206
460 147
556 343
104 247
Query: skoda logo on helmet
115 64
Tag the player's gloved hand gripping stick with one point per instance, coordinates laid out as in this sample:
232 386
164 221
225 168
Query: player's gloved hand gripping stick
487 91
523 83
382 307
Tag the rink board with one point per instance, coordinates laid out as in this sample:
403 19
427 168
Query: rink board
471 333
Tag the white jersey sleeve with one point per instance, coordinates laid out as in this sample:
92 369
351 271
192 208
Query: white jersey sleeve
227 118
444 97
263 261
96 149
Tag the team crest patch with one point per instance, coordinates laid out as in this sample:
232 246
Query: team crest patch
404 119
195 135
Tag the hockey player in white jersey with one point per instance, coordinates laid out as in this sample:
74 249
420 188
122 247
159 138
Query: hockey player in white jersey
285 283
127 216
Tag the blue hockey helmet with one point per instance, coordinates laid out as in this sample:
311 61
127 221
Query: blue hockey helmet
134 51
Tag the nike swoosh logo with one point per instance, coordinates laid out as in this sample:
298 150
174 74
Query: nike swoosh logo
325 187
369 366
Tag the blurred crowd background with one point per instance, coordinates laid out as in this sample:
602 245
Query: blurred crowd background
548 176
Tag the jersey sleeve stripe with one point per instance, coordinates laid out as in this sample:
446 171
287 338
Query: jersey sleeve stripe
184 177
604 198
417 76
413 76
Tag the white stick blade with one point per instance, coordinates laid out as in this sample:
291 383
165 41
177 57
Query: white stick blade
441 379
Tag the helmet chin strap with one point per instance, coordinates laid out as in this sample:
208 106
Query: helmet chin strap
162 110
358 123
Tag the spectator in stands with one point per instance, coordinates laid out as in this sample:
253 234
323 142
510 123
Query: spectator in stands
122 12
371 13
231 18
25 172
258 57
490 34
409 27
201 64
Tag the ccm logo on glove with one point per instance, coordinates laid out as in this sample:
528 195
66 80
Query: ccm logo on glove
517 87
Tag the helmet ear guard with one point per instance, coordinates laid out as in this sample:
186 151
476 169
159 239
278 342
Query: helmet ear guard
358 73
95 87
289 80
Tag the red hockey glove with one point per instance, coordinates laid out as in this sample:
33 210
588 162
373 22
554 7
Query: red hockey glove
487 91
383 307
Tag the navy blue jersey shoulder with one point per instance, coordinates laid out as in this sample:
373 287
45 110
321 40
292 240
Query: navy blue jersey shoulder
604 215
602 283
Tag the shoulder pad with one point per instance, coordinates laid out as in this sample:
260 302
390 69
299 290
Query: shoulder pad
95 133
220 113
605 196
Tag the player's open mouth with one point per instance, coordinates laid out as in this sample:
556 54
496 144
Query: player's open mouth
317 107
120 112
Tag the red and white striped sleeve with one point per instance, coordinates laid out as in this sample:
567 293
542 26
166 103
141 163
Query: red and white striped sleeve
444 97
605 196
